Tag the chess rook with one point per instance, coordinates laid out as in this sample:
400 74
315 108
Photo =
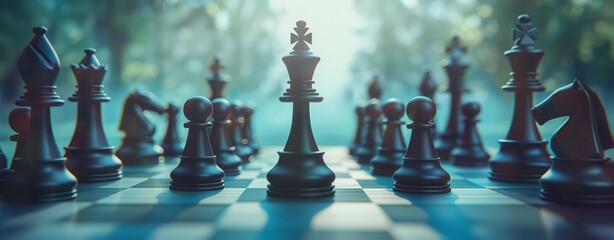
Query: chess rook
300 171
170 143
197 170
469 151
42 175
455 69
522 155
579 173
421 171
138 146
389 155
221 140
89 156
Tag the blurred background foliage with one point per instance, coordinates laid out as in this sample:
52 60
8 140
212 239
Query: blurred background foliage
166 46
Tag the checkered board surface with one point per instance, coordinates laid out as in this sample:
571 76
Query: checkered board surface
140 206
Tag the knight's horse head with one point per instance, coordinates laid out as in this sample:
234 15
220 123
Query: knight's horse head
587 132
133 112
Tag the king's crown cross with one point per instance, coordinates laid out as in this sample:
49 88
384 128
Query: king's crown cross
216 66
525 33
301 39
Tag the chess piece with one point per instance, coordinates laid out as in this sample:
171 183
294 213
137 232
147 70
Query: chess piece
138 146
455 69
89 156
221 139
41 175
217 81
375 88
300 171
360 126
389 156
170 143
522 156
469 151
236 124
197 170
421 171
428 87
19 121
371 139
579 173
247 132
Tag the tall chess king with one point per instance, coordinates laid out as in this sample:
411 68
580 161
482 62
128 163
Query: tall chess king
301 171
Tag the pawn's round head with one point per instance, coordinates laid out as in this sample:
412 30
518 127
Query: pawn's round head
393 109
198 109
421 110
373 110
236 106
19 120
471 109
221 109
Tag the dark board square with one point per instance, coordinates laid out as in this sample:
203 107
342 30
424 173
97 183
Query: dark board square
237 183
149 213
461 183
305 234
380 182
154 183
350 195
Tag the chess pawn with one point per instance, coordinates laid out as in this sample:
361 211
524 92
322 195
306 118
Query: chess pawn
389 156
421 171
469 150
221 139
171 143
197 170
360 122
89 156
247 131
41 176
371 139
19 121
236 123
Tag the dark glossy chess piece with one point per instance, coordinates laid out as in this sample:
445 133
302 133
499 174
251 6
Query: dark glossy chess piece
469 151
300 171
375 88
455 69
428 87
371 138
217 81
170 143
579 173
221 141
19 121
360 126
247 132
89 156
522 156
421 171
236 124
389 156
41 176
197 170
138 145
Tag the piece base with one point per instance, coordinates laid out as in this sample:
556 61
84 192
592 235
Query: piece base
41 198
421 189
176 186
577 199
232 172
101 177
285 192
513 178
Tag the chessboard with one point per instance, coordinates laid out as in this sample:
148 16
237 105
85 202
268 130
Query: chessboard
140 205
